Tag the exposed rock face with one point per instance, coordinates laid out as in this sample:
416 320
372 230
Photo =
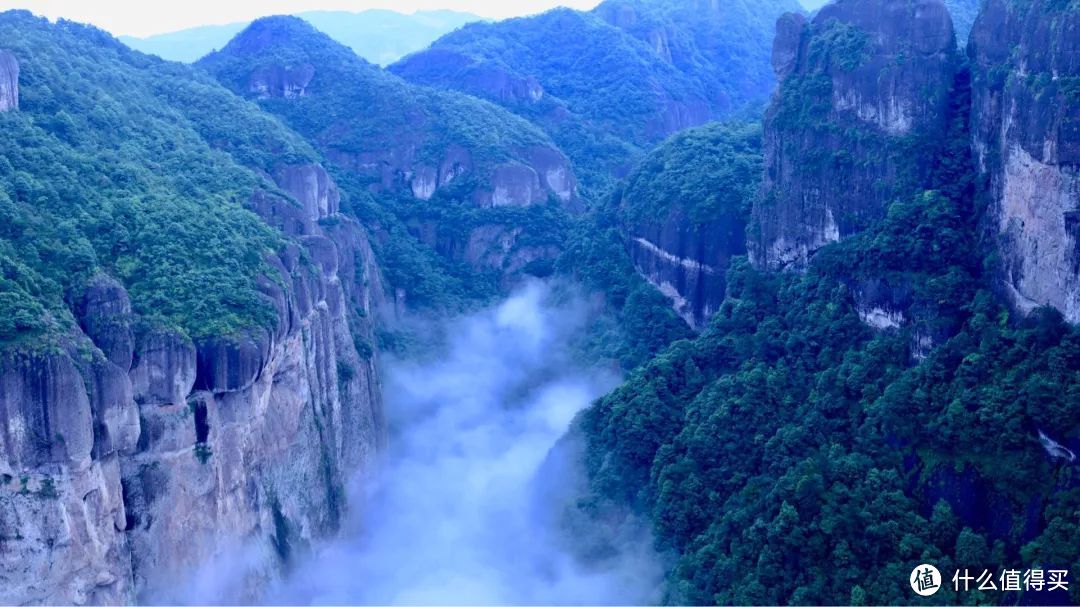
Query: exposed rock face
1026 140
497 247
106 319
683 214
61 516
522 185
864 91
9 82
163 370
255 455
687 261
676 115
279 81
132 456
788 42
312 187
540 171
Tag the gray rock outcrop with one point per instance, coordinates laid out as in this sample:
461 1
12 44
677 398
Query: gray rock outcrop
9 82
686 261
1026 141
278 81
864 91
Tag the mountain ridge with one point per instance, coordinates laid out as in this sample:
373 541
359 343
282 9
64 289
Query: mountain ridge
381 36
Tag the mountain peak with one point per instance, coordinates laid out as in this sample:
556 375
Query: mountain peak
267 32
280 56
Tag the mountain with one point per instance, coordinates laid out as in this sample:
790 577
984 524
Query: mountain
185 45
380 36
904 390
858 113
187 323
480 185
848 332
684 212
613 82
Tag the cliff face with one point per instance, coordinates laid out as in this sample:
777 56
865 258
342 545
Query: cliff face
132 456
9 82
687 261
1026 140
61 512
864 90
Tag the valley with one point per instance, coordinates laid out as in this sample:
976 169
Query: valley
667 301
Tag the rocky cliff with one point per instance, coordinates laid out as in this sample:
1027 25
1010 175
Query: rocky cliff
271 421
863 95
1026 139
133 456
9 82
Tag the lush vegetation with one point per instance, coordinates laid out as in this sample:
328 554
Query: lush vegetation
792 454
612 90
710 173
360 117
726 49
118 162
353 108
638 321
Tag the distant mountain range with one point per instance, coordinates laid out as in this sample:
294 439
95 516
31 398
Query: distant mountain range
380 36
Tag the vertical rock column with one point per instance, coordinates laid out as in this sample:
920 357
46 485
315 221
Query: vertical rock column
863 96
9 82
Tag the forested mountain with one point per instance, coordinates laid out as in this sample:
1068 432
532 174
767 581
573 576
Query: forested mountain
883 406
684 212
480 185
175 273
611 83
380 36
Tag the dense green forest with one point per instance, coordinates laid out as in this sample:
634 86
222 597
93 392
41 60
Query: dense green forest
615 81
725 47
598 117
791 454
120 162
709 173
353 107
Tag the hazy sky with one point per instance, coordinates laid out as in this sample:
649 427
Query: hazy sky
146 17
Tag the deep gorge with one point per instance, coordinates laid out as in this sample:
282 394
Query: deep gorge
668 301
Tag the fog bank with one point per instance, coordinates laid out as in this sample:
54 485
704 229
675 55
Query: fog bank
455 513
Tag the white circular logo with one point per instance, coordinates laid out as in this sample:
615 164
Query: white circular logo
925 580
